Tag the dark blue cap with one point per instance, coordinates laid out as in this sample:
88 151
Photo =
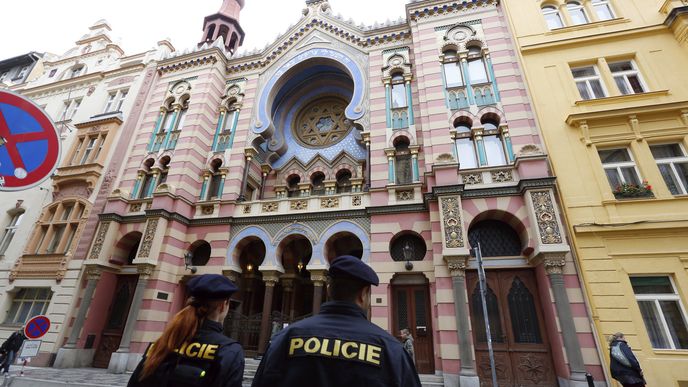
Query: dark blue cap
349 266
211 287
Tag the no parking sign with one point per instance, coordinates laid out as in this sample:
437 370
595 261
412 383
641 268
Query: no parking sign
29 143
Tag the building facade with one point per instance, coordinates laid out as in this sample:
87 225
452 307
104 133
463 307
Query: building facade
617 133
16 71
403 144
89 92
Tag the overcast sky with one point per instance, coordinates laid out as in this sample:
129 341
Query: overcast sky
54 26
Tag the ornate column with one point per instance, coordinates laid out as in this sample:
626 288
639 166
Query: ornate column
270 279
234 125
249 154
287 294
366 140
409 101
507 142
457 268
151 144
265 170
415 171
93 275
467 79
554 266
480 145
318 277
388 102
137 186
391 170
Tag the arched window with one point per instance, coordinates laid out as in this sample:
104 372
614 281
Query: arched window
477 72
398 91
233 42
178 126
200 253
344 181
452 69
224 32
465 146
293 186
10 230
496 238
224 139
552 17
402 161
576 12
57 228
75 71
492 140
318 183
407 246
603 9
211 32
215 185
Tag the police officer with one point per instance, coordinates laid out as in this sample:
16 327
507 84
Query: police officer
338 346
192 351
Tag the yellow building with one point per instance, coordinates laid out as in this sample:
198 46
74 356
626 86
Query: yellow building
609 82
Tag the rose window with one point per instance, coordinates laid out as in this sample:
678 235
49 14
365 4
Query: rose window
322 123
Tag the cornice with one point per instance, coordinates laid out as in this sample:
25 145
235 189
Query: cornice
424 9
107 118
86 55
396 209
301 217
596 37
577 118
513 190
55 87
674 14
194 59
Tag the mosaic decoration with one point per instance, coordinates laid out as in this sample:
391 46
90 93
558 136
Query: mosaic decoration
502 176
329 202
322 123
453 236
472 178
270 207
299 205
546 218
356 200
100 238
148 237
405 195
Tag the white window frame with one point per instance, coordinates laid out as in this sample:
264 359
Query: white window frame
658 309
10 231
22 72
671 161
550 10
89 148
115 100
620 164
625 74
396 86
12 319
110 101
3 76
587 79
70 108
596 4
122 96
573 7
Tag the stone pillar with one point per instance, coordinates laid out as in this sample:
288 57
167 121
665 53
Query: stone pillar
122 361
265 170
249 153
69 356
287 295
319 279
554 266
270 279
366 139
391 167
457 268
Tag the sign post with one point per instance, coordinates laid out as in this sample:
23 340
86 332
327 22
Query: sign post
29 143
483 297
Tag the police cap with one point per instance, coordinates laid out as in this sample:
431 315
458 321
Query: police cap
211 287
349 266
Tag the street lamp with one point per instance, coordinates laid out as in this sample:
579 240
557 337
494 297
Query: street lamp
188 262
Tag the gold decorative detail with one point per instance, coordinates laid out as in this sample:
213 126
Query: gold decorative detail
270 206
405 195
356 200
98 242
329 202
322 123
207 210
546 219
147 241
554 264
472 178
145 271
247 209
136 207
299 205
451 213
457 265
502 175
93 273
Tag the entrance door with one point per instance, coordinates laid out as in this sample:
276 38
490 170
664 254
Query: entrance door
519 338
117 319
412 311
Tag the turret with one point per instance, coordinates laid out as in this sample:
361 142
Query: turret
225 24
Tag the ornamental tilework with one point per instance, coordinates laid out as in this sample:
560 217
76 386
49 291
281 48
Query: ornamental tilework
100 238
148 237
546 218
451 214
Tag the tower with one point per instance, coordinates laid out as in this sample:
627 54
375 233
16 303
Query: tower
225 24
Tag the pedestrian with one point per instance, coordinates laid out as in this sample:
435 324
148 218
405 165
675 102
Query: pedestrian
338 346
625 367
408 343
10 348
192 351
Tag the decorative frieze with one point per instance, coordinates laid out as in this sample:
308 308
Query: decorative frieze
405 195
135 207
451 215
356 200
502 176
472 178
329 202
546 217
247 209
100 239
299 205
457 265
148 236
270 207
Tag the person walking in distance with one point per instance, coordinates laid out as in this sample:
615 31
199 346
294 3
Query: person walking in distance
408 343
624 365
192 351
10 348
338 347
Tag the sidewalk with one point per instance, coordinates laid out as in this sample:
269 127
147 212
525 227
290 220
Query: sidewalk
49 377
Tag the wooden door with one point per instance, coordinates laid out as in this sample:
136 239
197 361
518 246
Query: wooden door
412 311
519 338
116 321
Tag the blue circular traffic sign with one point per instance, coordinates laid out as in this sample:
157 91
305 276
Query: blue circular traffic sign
37 327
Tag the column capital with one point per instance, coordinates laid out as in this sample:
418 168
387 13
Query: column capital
250 153
318 277
93 272
271 278
457 264
145 270
553 262
231 274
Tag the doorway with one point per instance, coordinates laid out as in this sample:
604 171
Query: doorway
116 321
519 338
411 309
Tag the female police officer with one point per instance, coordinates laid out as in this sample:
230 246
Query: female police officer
192 350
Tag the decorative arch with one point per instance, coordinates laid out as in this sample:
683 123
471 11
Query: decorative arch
342 226
463 116
125 249
492 111
508 218
399 134
295 229
257 232
179 93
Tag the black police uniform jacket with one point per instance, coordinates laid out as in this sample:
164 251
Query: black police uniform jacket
337 347
211 359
